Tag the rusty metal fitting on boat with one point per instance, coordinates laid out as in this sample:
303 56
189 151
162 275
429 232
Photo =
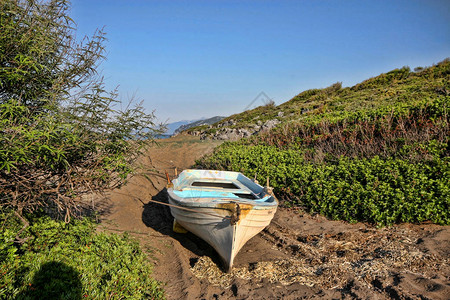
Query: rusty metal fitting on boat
235 217
169 182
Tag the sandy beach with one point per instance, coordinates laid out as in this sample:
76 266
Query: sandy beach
299 256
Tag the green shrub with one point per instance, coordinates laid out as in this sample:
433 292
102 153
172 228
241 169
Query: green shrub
375 190
72 261
60 133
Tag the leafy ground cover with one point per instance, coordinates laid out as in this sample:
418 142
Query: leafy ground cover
72 261
382 191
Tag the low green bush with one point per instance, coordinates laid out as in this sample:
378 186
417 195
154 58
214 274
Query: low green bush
72 261
375 190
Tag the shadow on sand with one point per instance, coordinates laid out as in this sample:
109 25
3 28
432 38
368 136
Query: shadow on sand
159 218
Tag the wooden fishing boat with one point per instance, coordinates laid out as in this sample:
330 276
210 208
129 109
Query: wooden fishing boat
224 208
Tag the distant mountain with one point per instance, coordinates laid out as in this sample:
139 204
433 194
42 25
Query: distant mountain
171 127
200 122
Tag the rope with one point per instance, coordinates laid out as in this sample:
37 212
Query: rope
67 216
189 209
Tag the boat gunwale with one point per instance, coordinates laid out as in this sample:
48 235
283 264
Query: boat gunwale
213 202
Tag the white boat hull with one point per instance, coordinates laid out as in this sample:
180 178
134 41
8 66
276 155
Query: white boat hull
216 212
225 238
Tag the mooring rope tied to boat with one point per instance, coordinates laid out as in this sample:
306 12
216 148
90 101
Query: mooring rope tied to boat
202 212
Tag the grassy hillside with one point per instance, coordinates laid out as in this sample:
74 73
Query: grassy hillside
400 87
375 152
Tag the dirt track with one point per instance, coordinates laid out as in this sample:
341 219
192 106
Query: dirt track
297 256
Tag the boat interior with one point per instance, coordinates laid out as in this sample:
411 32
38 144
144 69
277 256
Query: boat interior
219 185
213 188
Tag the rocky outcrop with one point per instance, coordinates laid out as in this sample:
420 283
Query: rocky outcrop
224 132
198 123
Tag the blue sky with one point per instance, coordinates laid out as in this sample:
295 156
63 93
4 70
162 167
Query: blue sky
193 59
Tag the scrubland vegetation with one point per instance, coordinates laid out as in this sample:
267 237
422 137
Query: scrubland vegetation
376 152
61 137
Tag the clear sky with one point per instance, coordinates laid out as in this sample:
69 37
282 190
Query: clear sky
193 59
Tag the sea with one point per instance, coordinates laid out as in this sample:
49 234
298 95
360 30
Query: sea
163 136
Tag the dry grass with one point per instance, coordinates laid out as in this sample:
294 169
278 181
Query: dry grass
331 261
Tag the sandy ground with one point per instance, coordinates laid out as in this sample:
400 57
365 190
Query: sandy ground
297 256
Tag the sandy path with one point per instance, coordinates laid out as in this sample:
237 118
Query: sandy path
297 256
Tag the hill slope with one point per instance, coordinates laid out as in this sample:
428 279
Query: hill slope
400 87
